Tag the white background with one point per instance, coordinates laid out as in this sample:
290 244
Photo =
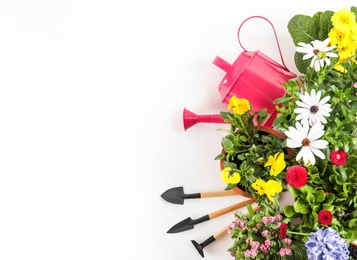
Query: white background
91 132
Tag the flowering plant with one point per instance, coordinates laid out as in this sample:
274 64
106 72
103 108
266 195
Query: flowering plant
253 160
318 116
263 235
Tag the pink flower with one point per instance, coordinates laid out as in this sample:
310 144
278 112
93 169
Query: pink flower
278 217
296 176
253 253
265 220
255 245
287 251
267 243
324 217
264 249
282 232
287 241
247 253
265 233
339 157
284 251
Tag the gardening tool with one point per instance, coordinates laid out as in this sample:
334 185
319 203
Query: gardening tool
189 223
176 195
254 76
190 119
212 238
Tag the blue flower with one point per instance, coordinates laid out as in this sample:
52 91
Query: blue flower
326 243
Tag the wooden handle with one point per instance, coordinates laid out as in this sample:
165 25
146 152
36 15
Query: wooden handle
218 194
224 230
230 208
220 233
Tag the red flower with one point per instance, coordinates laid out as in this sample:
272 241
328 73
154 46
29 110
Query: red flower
324 217
339 157
282 232
296 176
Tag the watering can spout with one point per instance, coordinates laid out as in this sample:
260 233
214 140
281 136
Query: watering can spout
190 119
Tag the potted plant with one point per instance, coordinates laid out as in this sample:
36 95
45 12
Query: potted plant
264 234
318 116
252 159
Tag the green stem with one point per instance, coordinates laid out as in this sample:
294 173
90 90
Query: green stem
243 129
298 233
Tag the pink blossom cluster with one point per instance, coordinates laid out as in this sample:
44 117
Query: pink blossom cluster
284 251
268 229
271 219
237 222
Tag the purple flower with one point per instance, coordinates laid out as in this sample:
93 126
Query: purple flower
326 243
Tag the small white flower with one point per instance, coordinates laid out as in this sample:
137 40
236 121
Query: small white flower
312 108
319 51
308 140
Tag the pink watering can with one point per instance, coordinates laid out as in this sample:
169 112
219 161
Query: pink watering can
256 77
253 76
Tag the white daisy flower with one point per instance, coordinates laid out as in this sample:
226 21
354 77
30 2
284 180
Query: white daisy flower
308 140
312 108
319 51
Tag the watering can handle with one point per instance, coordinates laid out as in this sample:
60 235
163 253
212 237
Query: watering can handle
276 37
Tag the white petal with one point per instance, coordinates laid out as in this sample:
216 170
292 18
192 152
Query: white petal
313 119
317 65
315 97
325 108
293 133
328 62
302 104
308 56
308 155
299 155
324 100
319 144
318 153
304 129
305 116
331 54
321 118
291 143
316 132
306 99
325 43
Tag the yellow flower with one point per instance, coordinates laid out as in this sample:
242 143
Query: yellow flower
238 105
259 186
268 188
343 19
340 38
229 176
272 188
277 164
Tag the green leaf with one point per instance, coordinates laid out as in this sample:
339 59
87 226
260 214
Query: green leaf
325 24
219 157
320 196
300 63
289 211
330 197
310 199
343 173
303 28
227 143
301 206
294 192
